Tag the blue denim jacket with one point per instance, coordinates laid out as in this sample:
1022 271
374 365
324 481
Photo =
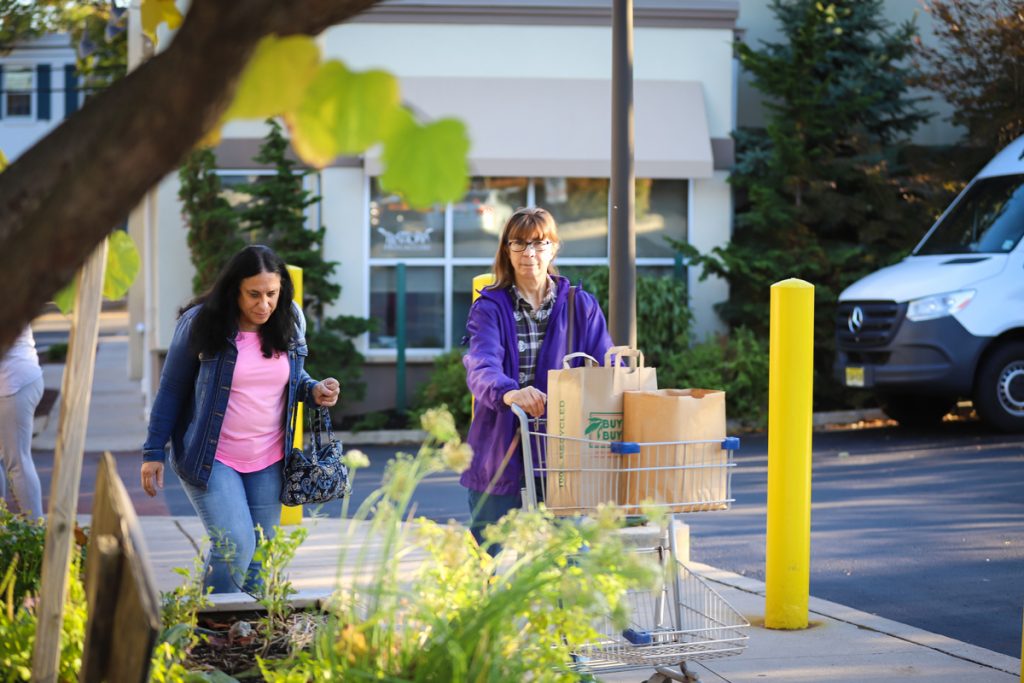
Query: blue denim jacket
193 397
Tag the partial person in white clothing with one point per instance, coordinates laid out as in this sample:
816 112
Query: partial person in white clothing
21 389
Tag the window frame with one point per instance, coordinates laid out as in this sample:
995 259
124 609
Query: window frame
449 262
30 92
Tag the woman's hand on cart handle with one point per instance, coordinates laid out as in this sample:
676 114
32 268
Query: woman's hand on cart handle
530 399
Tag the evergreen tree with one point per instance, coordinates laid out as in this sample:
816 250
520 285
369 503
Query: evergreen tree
276 216
819 192
213 229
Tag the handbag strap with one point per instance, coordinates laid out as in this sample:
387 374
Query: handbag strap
572 321
320 422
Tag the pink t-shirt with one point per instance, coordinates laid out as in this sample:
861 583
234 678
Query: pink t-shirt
252 436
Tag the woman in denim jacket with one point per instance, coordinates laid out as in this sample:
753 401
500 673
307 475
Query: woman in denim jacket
233 374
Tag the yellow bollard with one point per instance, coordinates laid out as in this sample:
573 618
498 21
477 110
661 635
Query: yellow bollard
479 282
790 391
293 514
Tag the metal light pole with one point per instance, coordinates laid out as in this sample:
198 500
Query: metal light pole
621 196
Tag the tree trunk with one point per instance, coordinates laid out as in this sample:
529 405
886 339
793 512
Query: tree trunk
66 193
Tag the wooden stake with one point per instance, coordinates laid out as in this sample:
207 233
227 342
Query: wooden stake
76 392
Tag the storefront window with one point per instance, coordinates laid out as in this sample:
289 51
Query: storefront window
439 291
477 220
399 231
660 213
580 207
424 307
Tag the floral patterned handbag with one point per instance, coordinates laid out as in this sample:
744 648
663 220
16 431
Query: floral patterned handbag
318 474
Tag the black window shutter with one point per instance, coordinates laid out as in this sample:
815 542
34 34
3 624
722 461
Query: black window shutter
43 88
70 90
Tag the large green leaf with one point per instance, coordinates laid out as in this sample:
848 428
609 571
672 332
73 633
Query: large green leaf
65 298
343 112
276 77
427 163
122 267
123 264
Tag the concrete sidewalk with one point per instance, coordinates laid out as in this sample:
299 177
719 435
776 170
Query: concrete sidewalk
842 645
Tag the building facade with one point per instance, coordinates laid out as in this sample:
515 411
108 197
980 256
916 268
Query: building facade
532 83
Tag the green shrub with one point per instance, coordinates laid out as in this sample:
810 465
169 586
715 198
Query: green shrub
736 363
446 386
663 317
18 623
56 353
24 538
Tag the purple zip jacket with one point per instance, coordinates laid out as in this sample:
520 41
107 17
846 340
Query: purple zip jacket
493 361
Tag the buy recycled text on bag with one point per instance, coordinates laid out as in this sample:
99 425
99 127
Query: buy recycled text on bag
585 412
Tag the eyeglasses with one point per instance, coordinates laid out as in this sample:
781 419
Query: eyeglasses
539 246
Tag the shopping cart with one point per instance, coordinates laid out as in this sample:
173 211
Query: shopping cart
682 620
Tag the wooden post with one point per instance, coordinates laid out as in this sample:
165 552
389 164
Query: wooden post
76 390
104 580
124 608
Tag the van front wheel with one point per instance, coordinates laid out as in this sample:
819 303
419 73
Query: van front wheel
999 389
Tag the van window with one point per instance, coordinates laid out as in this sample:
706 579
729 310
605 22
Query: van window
988 219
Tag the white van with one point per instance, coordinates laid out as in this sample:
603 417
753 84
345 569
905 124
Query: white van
947 322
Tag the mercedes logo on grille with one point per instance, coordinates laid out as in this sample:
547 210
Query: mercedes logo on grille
856 320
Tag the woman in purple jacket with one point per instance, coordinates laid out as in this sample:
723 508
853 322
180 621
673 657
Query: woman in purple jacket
517 332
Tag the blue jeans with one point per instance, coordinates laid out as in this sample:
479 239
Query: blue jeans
232 506
491 508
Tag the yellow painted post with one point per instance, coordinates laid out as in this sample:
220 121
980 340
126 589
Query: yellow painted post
790 384
479 282
290 514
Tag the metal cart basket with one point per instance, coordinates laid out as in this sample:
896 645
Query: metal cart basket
685 618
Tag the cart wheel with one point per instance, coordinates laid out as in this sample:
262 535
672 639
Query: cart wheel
684 675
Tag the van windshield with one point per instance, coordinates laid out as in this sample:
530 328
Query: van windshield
989 219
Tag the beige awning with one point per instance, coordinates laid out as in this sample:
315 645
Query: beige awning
562 127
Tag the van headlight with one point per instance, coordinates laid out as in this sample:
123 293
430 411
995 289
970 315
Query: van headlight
939 306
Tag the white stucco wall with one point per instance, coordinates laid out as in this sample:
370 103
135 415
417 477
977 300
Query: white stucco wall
346 241
703 55
710 227
17 134
171 263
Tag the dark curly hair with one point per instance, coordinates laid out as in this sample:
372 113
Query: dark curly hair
217 320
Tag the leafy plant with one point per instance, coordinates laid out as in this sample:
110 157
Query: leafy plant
276 554
978 67
22 538
18 623
447 387
465 615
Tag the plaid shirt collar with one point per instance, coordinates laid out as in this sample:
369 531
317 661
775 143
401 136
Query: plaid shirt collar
521 303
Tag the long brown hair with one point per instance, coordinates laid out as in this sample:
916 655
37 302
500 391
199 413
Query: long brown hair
525 224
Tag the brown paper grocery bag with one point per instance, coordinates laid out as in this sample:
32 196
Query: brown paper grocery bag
584 414
678 477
